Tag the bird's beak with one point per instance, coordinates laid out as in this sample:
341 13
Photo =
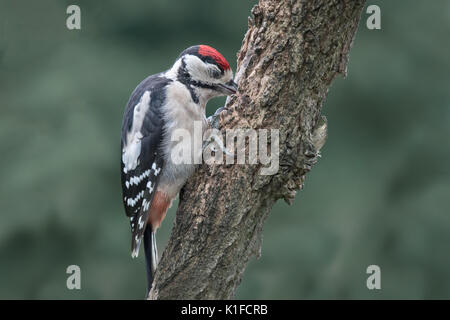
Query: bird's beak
230 87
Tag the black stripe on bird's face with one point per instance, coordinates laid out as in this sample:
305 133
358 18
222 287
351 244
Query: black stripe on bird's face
185 78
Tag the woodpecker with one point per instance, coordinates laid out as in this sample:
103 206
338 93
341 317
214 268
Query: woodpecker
160 104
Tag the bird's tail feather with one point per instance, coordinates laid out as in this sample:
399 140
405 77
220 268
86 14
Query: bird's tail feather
151 254
135 244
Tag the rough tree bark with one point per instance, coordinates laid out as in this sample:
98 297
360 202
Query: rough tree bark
292 51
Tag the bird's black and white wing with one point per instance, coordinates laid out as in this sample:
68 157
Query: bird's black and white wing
142 160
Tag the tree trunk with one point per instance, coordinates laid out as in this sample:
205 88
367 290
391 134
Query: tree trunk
291 52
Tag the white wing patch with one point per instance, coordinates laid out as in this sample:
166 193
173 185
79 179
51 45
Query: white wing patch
132 147
137 179
141 223
150 186
132 202
145 204
155 169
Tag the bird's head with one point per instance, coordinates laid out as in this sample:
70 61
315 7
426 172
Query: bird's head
203 69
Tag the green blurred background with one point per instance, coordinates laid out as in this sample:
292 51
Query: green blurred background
379 195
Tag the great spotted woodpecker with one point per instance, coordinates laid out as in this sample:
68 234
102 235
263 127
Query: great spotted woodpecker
163 102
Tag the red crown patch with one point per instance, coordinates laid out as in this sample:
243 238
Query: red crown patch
208 51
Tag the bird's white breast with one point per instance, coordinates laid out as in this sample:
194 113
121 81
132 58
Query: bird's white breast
183 115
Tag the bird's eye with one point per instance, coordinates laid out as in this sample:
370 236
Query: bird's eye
214 73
